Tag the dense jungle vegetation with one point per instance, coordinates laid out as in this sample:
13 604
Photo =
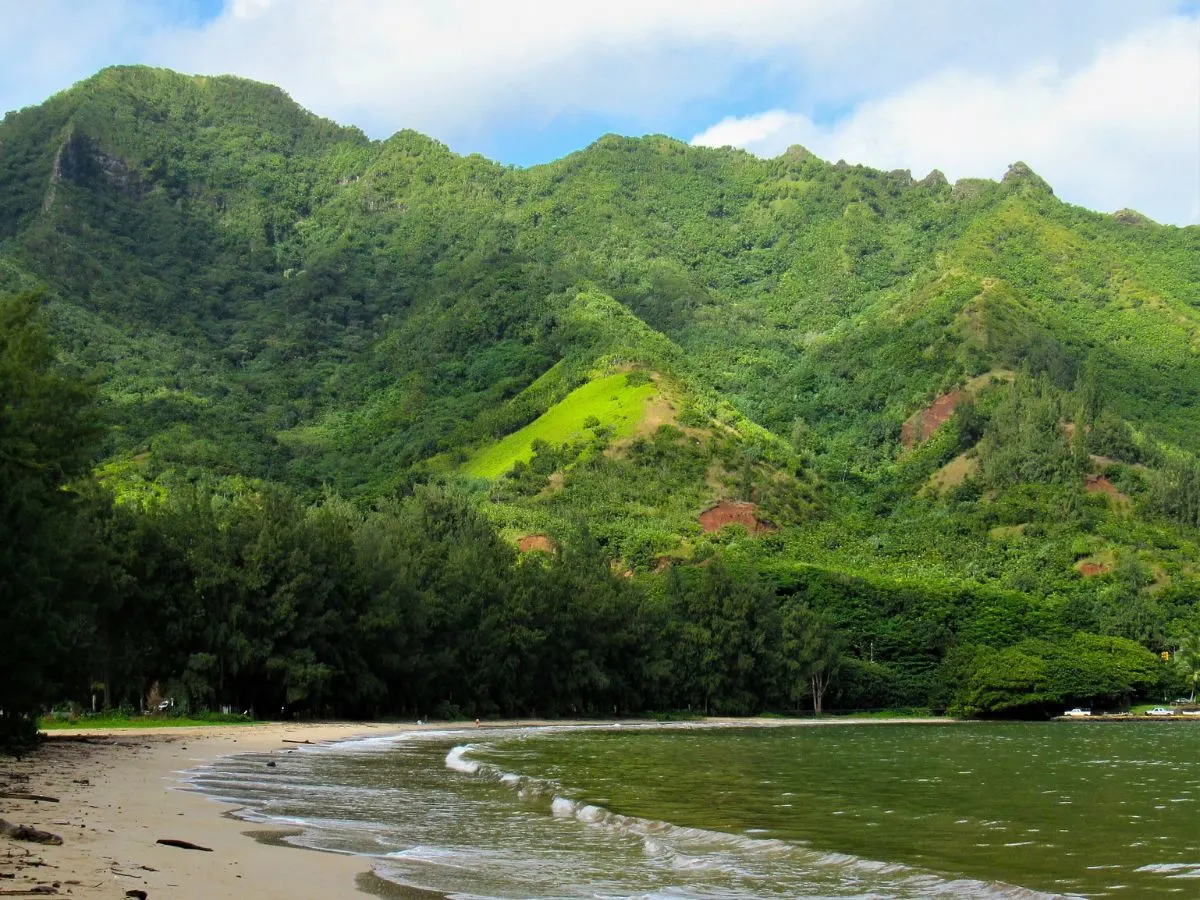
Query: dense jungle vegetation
298 421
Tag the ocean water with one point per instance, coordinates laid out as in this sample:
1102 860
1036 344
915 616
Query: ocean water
880 811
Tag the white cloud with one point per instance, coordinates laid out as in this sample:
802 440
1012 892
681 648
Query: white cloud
766 134
450 66
461 69
445 64
1121 130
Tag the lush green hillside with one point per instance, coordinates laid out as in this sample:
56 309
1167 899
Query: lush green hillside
956 418
613 402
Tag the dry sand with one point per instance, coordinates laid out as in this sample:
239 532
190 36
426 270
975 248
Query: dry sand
119 794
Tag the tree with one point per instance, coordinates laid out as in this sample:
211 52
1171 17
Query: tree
1039 676
1176 490
1091 398
812 653
728 635
1024 441
1188 659
47 433
998 681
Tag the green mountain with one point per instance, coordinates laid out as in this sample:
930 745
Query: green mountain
959 419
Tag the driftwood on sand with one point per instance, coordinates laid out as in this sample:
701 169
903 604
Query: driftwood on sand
183 845
27 833
22 795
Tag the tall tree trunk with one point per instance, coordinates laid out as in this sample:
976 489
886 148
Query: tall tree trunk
819 684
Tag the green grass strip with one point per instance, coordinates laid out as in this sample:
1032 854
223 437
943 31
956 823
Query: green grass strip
610 399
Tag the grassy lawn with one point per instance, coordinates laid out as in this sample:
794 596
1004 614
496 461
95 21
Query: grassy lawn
610 399
903 713
1140 709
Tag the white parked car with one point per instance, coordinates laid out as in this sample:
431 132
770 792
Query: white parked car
1160 711
1077 711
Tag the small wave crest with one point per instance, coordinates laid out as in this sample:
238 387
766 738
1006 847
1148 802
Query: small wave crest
562 807
457 761
1173 870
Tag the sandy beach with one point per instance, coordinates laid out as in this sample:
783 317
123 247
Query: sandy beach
118 794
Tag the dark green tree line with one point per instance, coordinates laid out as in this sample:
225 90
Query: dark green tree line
48 432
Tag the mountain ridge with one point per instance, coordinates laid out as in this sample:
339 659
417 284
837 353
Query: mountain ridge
268 298
404 156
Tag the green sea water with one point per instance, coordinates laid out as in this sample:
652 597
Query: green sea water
884 810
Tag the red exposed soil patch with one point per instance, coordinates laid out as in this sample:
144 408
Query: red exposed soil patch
922 424
1091 569
538 542
1098 484
733 512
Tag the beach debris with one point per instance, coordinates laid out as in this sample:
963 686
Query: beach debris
183 845
116 871
290 741
23 795
76 739
27 833
136 892
34 891
271 764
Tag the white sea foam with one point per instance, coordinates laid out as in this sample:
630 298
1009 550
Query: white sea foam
1170 868
375 743
424 853
457 760
562 807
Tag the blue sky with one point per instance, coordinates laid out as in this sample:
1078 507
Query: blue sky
1101 97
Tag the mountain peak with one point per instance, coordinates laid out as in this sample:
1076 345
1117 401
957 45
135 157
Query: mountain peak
798 152
936 178
1128 216
1020 173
